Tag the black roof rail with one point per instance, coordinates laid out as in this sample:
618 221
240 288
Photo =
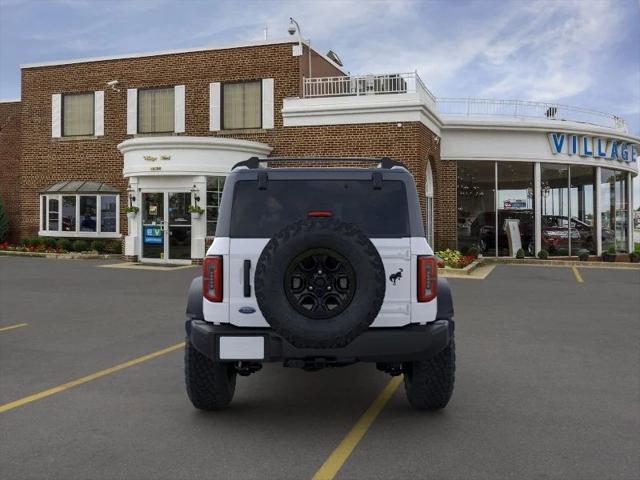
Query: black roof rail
254 162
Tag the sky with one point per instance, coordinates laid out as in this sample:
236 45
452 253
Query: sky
577 52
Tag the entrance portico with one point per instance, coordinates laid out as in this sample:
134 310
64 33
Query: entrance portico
167 175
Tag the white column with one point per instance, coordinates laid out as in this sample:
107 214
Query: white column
630 211
199 226
598 217
132 246
537 208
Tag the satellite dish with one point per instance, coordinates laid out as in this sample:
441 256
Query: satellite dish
333 56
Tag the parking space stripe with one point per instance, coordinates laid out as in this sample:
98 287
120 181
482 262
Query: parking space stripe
94 376
339 456
576 273
11 327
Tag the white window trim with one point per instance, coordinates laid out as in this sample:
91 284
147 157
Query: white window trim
215 112
98 113
78 233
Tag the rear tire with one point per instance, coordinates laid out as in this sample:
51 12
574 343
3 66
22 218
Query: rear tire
429 383
210 385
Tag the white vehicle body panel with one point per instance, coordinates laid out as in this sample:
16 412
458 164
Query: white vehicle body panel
399 255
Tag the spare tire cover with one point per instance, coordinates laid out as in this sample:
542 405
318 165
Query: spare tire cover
320 283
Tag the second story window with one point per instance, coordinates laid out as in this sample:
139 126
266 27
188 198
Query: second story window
156 110
242 105
78 114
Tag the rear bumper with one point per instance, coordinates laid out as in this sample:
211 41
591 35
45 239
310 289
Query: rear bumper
413 342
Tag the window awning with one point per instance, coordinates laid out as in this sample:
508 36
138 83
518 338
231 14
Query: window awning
80 186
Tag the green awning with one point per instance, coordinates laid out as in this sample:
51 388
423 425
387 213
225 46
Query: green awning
80 186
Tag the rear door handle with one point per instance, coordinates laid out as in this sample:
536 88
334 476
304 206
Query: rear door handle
247 277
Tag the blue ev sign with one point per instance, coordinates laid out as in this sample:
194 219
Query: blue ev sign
590 146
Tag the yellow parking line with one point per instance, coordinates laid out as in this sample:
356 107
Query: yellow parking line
576 273
11 327
332 465
79 381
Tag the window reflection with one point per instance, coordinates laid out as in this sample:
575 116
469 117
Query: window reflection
614 210
476 206
516 220
554 188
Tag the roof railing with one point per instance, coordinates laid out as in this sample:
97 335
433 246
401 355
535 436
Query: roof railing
477 107
371 84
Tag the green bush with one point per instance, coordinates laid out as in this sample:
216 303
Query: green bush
611 250
473 252
583 255
114 247
520 253
543 254
636 247
450 257
98 246
80 246
65 244
4 223
48 242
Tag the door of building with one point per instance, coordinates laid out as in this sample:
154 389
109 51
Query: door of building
166 227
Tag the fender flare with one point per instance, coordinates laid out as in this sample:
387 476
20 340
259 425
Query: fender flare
445 300
194 300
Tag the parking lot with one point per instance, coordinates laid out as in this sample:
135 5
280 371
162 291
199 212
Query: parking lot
547 385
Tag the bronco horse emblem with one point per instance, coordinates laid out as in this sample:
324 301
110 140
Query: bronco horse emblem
396 276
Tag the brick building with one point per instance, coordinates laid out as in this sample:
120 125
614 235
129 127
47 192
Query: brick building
160 131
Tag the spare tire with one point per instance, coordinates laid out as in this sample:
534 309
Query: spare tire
320 283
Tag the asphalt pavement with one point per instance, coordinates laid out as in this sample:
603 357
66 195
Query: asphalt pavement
547 386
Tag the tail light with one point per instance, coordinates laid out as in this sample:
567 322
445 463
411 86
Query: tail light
427 278
320 213
212 278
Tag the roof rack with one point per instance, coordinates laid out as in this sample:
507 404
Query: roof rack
254 162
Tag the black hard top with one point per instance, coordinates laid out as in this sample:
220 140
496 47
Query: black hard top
251 170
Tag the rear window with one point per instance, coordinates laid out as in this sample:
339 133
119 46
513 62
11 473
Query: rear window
262 213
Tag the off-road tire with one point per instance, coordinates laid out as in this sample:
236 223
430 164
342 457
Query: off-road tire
429 383
210 385
314 233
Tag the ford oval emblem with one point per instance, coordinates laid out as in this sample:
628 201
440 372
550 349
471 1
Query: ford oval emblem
247 310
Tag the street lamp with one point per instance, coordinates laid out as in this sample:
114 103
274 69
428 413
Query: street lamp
293 28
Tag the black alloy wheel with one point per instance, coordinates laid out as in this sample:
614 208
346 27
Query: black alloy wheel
320 283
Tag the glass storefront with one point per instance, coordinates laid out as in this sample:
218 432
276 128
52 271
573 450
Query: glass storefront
554 189
582 205
614 210
507 217
516 219
476 206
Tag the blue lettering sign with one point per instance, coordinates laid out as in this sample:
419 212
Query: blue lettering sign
557 141
624 152
573 146
614 150
634 153
601 150
586 149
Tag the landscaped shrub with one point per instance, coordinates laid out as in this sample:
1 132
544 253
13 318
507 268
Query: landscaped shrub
543 254
98 246
48 242
65 244
80 246
473 252
583 255
115 247
611 250
520 253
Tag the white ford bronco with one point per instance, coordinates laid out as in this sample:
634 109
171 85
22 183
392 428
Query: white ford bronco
319 267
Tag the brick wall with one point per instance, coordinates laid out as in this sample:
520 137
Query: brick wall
46 160
10 163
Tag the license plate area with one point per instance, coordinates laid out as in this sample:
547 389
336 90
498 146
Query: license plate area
240 348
